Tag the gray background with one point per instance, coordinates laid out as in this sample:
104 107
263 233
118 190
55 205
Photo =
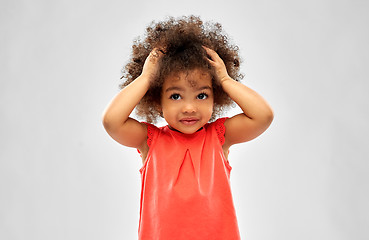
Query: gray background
63 177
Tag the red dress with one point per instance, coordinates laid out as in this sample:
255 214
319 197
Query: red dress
186 191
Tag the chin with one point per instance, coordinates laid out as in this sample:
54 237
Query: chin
191 131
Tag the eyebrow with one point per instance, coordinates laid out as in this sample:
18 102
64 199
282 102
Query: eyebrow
173 89
181 89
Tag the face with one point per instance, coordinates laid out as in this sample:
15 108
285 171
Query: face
187 100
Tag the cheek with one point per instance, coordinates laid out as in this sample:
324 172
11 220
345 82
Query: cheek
208 108
167 107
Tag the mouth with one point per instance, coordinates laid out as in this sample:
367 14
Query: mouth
189 121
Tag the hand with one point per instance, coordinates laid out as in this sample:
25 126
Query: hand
217 63
152 63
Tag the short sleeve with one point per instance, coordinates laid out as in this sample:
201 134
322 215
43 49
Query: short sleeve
151 131
220 129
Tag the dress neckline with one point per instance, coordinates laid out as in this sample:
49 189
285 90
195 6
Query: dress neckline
199 132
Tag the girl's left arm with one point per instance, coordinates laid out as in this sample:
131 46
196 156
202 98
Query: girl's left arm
257 114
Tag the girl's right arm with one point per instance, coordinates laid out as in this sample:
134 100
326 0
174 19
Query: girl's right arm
123 129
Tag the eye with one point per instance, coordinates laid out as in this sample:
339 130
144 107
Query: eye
202 96
175 96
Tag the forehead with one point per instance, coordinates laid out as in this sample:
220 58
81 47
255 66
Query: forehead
192 78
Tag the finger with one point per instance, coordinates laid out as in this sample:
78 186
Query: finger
156 52
209 51
211 62
159 50
213 54
162 51
208 56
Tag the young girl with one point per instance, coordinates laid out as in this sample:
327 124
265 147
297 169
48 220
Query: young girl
186 72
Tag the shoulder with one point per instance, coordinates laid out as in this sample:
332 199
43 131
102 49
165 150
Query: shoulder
152 132
219 128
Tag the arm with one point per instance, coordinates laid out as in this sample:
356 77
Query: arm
125 130
257 114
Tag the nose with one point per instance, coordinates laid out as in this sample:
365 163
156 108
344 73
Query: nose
189 107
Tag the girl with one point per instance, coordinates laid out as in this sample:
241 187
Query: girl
186 72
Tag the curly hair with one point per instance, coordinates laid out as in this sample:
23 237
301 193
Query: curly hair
182 40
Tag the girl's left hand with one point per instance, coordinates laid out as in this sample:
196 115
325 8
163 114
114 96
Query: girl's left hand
220 70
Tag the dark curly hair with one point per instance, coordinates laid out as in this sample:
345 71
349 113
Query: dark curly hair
182 40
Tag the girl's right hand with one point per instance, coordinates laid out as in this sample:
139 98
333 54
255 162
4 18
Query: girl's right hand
152 64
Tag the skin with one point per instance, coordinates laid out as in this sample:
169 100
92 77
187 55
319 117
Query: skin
256 117
187 100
